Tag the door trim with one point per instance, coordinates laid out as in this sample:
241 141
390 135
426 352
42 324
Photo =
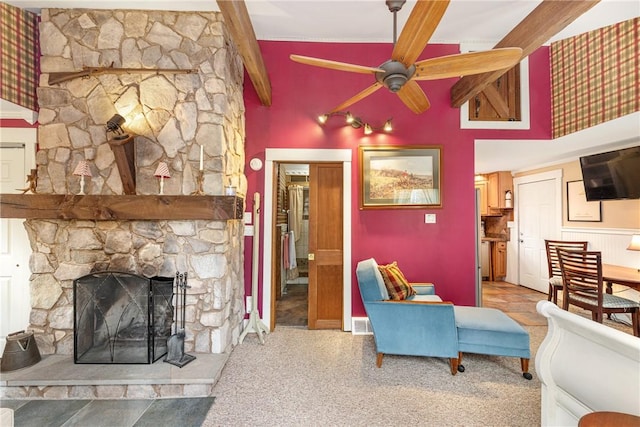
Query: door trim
304 155
513 246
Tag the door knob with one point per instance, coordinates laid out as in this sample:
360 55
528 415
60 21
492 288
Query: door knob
311 257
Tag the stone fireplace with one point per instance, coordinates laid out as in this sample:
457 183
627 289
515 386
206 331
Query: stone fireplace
171 116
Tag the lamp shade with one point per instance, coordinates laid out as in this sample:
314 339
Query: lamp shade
634 245
162 171
82 169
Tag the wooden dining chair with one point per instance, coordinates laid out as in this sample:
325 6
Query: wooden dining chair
555 276
584 287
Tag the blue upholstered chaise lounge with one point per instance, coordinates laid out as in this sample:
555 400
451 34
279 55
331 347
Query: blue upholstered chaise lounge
424 325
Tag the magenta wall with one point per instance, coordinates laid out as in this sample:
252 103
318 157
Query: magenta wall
442 253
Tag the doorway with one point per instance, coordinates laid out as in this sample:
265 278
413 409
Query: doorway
290 258
15 250
310 243
326 258
538 217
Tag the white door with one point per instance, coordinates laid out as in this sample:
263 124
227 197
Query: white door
537 219
15 302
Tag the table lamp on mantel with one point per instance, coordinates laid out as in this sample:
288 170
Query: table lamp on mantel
82 170
635 244
162 172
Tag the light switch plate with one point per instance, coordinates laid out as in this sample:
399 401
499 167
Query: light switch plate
248 230
429 218
247 217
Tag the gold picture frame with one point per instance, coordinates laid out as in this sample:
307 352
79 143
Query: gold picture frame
400 177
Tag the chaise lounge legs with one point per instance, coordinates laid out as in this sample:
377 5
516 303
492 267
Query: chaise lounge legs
453 363
456 365
524 364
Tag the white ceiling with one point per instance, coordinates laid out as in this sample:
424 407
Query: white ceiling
465 21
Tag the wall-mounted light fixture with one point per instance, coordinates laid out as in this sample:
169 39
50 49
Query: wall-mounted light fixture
114 125
356 122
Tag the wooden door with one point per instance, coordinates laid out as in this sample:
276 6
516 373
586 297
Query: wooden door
325 246
498 101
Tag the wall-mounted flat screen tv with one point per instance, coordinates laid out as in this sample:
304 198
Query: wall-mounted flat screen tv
612 175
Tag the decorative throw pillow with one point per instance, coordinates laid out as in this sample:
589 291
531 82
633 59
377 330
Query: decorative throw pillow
397 285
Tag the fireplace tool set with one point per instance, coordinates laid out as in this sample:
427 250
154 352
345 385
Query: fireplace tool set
175 344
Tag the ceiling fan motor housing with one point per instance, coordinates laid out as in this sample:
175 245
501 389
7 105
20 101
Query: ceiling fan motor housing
395 5
395 75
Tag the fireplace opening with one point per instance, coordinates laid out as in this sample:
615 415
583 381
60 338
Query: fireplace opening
121 318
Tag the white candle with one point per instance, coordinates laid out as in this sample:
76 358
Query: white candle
201 156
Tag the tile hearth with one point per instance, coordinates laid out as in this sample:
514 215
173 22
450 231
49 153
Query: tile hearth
57 377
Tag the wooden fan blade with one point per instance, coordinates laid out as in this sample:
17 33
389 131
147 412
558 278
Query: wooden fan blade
422 22
334 65
368 91
464 64
414 97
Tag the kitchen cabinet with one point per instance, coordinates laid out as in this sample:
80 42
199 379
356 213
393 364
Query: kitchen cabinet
498 260
498 183
484 206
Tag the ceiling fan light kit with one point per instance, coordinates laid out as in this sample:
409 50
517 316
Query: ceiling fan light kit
401 72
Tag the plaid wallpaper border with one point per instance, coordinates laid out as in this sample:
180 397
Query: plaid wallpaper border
594 77
19 56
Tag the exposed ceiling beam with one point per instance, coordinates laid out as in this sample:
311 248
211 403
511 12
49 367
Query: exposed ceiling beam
545 21
236 18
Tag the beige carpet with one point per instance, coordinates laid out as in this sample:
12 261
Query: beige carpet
329 378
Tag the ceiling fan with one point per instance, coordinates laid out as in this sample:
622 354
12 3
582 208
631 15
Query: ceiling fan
400 73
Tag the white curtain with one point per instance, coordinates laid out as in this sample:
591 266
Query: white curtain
296 203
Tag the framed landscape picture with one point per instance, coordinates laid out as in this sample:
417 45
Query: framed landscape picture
397 177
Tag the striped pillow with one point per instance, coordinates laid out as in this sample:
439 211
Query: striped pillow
397 285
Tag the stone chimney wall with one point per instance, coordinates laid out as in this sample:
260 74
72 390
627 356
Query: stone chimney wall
171 116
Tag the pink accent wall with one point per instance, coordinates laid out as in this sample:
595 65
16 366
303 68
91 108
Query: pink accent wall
442 253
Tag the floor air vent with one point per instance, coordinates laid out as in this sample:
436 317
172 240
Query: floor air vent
361 326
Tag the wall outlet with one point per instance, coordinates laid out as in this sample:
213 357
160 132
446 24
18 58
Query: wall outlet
429 218
249 306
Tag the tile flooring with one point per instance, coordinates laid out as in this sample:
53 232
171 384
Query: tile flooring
291 308
184 412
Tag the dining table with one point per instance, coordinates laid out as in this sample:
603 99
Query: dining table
626 276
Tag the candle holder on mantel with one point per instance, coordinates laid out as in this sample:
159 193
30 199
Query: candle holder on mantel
199 184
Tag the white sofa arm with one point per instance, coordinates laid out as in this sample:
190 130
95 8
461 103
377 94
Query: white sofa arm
585 367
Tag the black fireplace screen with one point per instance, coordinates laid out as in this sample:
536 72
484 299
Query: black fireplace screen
121 317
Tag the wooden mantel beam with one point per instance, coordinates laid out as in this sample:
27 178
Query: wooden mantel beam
537 28
236 18
127 207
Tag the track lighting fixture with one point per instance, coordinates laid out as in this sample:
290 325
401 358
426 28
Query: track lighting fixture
356 122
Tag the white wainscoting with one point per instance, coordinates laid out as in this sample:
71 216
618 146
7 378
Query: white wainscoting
612 242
